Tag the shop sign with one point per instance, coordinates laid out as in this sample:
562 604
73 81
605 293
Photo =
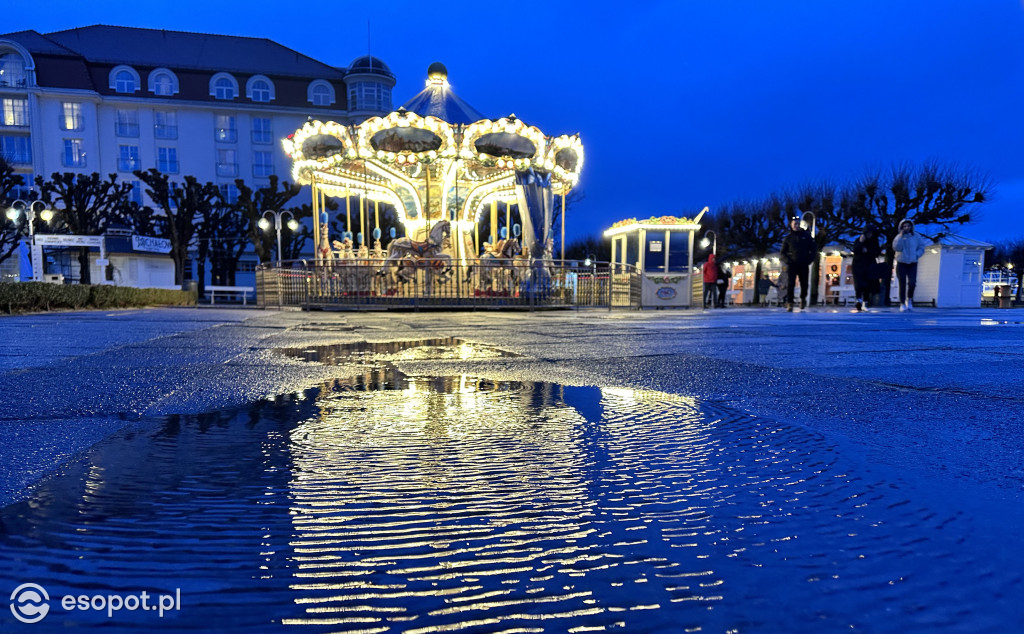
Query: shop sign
150 244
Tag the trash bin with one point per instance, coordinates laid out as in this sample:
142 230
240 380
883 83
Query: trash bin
191 286
1005 299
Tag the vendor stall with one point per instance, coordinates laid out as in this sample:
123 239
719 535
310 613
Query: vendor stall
835 284
661 249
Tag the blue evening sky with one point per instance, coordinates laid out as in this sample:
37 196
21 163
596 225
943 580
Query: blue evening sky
683 103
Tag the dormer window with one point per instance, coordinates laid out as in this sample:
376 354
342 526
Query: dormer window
12 71
163 83
223 86
259 89
320 93
124 80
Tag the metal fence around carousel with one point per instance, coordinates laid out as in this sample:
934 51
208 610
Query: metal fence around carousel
310 284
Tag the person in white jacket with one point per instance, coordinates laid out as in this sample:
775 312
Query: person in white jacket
907 247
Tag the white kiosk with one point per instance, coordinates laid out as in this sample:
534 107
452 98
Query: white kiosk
661 249
949 274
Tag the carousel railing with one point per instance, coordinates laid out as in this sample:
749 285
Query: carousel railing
483 283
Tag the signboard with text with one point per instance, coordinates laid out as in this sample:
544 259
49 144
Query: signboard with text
150 244
58 240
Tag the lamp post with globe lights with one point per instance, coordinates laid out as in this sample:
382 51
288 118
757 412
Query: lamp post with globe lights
278 217
19 207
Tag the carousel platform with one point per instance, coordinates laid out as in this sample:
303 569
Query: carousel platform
473 284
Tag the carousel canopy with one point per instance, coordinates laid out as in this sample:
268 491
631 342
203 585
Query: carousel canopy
439 100
436 158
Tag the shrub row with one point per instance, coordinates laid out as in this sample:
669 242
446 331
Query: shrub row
37 296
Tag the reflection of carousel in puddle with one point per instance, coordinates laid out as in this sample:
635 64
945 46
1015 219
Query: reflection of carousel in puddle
442 166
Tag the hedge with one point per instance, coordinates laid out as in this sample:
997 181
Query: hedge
38 296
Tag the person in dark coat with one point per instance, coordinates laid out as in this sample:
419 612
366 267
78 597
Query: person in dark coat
724 275
866 250
798 251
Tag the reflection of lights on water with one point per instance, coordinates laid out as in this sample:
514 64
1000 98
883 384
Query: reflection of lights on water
630 396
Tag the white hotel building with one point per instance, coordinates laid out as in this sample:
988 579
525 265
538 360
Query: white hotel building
111 99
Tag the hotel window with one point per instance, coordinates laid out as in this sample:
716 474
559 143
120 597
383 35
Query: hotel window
261 132
15 112
163 83
320 93
227 163
167 160
223 86
135 195
229 193
260 89
363 95
128 158
16 149
225 129
22 190
71 116
262 163
124 80
74 153
165 125
127 123
12 70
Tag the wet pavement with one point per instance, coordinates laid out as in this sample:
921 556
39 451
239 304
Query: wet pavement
749 470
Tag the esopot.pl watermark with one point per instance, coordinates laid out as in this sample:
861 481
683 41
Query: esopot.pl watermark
30 602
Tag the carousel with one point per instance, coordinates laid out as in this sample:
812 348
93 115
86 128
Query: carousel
445 170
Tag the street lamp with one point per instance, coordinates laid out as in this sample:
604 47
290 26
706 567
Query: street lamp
278 216
46 214
803 219
713 240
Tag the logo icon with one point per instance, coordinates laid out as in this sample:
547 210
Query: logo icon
29 603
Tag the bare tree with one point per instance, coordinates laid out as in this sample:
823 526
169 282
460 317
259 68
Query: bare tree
182 205
597 247
935 197
10 231
85 205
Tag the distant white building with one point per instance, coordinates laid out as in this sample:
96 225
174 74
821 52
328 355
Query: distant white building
949 274
111 99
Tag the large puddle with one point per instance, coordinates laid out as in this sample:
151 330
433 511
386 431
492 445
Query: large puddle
394 503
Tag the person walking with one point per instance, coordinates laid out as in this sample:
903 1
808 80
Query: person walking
908 247
710 281
724 275
866 250
798 251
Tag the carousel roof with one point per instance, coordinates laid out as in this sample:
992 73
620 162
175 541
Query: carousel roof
436 157
439 100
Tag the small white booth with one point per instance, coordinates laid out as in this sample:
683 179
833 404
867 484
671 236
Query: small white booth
949 274
835 281
661 248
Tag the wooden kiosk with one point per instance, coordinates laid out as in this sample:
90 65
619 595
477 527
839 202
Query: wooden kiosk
661 249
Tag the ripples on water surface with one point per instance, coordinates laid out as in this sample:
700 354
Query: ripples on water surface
387 503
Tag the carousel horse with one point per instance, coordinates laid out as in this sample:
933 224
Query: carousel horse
343 257
406 255
497 261
343 249
323 250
